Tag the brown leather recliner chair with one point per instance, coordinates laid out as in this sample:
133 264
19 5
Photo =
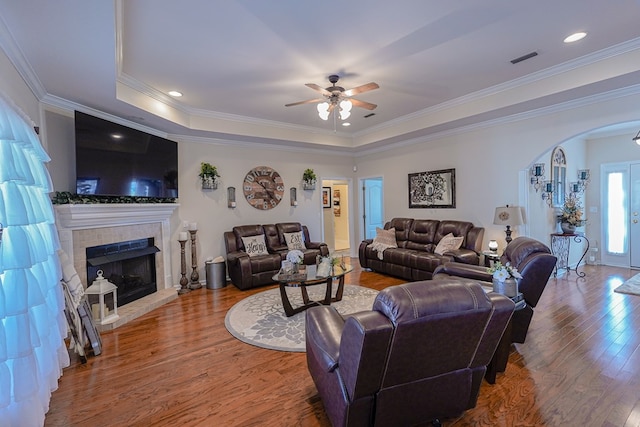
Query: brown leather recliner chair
418 356
534 261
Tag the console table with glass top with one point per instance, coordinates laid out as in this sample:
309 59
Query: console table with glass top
560 245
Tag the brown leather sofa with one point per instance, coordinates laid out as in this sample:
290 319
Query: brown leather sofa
414 258
248 272
534 261
418 356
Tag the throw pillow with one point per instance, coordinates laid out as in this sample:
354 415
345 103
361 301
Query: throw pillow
386 237
294 240
448 243
255 245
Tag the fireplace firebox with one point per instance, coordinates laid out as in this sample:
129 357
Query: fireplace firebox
130 265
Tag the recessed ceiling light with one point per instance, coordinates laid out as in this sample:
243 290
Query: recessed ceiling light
575 37
346 124
175 93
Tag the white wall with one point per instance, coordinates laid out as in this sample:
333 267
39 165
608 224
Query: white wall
14 89
487 159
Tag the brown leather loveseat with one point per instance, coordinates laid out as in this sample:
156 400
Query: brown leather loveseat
414 258
418 356
247 271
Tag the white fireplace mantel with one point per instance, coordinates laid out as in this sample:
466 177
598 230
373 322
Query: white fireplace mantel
99 215
76 218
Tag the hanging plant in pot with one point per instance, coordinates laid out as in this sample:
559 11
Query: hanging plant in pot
309 179
571 215
209 176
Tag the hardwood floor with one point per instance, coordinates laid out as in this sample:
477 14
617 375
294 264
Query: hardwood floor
178 365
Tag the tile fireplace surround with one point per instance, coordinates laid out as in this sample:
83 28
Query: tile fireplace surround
82 226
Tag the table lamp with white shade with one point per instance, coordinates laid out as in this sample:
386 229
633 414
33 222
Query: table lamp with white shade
510 216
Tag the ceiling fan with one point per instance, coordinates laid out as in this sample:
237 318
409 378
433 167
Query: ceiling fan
336 96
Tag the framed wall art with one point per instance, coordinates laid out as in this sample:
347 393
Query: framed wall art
434 189
326 197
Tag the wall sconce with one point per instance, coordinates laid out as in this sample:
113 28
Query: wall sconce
547 192
584 177
537 176
575 188
231 197
493 246
636 138
294 196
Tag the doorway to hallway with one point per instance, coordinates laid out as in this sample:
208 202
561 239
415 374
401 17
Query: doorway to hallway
336 215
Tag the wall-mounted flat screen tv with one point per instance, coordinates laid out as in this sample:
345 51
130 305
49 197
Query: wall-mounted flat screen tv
115 160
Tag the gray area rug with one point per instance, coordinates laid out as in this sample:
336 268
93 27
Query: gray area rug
260 320
631 286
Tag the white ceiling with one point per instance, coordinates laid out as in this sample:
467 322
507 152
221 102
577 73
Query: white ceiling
440 64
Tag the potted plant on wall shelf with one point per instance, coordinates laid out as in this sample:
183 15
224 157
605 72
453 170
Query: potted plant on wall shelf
209 176
309 179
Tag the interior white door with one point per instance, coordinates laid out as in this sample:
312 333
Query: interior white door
373 215
634 215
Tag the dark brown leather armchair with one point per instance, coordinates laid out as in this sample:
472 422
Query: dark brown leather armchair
418 356
534 261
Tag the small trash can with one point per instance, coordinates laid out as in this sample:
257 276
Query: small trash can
216 273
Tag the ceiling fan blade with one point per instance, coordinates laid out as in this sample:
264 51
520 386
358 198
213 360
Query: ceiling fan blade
318 89
361 89
308 101
362 104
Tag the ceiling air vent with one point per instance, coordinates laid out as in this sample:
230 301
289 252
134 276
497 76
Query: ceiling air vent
524 57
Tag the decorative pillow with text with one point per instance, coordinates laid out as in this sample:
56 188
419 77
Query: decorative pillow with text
448 243
255 245
294 240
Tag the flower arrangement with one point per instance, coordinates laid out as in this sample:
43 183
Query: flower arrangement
502 272
295 256
572 212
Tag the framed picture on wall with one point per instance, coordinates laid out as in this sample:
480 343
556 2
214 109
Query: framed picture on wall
326 197
434 189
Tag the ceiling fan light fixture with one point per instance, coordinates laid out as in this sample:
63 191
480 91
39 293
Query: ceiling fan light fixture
346 105
323 110
636 138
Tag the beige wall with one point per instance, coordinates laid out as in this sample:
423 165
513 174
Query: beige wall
491 162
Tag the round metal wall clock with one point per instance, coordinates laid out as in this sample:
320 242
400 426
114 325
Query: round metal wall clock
263 188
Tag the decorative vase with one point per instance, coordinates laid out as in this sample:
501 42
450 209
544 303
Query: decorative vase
309 185
508 287
568 228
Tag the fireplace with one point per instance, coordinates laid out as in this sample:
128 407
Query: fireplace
130 265
81 226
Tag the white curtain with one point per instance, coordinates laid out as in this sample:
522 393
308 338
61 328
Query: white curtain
32 323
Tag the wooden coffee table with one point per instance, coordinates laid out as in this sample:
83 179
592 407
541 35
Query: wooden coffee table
309 278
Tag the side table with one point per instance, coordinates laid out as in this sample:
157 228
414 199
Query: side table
501 356
490 258
560 245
